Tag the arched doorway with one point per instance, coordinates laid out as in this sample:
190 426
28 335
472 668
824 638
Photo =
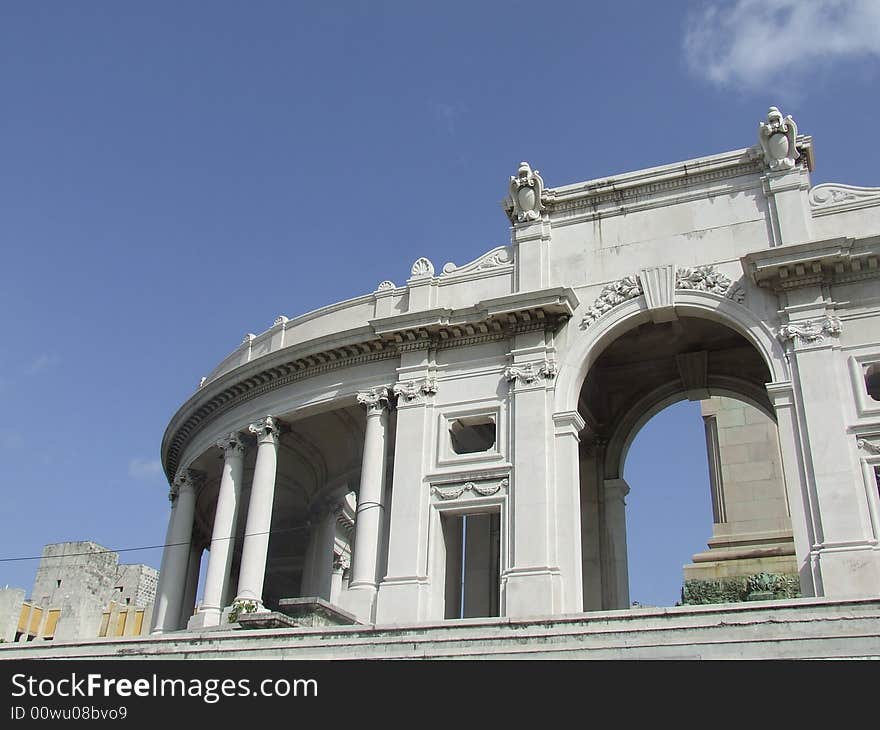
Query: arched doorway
636 375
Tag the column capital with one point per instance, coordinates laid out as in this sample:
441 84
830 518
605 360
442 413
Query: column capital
528 373
376 400
185 479
411 390
341 563
267 429
231 444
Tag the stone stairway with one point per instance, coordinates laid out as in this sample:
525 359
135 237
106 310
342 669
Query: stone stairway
811 628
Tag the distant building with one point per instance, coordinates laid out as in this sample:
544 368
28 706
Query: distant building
80 591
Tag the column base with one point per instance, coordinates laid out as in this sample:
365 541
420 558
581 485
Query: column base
205 618
532 592
360 601
849 572
402 600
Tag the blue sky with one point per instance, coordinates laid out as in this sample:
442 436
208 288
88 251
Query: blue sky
174 175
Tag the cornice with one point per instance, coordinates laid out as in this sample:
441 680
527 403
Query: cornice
493 319
830 261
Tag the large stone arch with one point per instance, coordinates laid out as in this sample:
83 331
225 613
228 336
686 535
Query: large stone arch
586 347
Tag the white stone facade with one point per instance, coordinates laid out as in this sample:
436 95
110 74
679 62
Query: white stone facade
335 454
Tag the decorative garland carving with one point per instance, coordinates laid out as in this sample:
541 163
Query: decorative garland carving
409 390
810 330
698 278
485 489
527 374
868 446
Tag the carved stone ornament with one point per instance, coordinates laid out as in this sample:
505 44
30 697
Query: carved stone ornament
422 268
341 563
868 446
611 295
246 340
409 390
386 286
185 478
527 374
499 256
810 330
375 399
484 489
831 195
231 444
526 190
702 278
777 137
268 428
280 319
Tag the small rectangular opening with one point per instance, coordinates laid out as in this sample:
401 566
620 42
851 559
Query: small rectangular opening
472 435
473 543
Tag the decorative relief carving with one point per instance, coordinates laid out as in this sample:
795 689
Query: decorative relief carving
484 489
375 399
698 278
526 192
341 563
810 330
832 195
611 295
499 256
266 429
185 478
409 390
247 338
868 446
422 268
231 444
777 137
386 285
527 374
280 319
703 278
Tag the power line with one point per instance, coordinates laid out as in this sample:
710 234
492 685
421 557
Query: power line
144 547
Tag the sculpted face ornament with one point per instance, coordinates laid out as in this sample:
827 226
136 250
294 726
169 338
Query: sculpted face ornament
526 191
777 137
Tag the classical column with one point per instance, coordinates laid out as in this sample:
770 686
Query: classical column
223 537
175 557
193 572
259 518
567 427
616 568
370 507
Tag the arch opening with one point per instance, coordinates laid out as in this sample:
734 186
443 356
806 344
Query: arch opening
704 384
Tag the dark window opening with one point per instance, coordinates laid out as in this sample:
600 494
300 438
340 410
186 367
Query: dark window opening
872 381
472 565
472 435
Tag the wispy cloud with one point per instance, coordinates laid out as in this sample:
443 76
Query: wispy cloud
40 364
447 115
144 468
755 44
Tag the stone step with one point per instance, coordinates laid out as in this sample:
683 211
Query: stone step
792 629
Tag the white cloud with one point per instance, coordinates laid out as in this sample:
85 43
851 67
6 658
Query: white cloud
752 44
144 468
40 363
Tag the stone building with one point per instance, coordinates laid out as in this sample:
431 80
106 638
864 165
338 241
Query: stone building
454 445
80 591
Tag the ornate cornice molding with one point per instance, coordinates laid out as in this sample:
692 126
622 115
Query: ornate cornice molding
809 330
698 278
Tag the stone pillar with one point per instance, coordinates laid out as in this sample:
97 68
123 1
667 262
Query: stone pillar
341 563
255 546
614 557
370 507
567 428
845 557
404 594
788 205
223 537
193 573
534 584
318 563
175 557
